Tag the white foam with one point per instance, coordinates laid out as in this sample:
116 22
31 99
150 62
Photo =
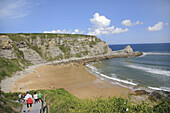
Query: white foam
161 88
111 78
116 79
92 67
150 70
155 53
113 75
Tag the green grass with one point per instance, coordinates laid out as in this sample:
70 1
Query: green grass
7 106
42 35
78 55
15 37
66 50
92 43
61 101
20 56
38 50
8 67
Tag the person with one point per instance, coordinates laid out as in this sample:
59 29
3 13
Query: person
39 96
20 97
23 97
35 97
29 100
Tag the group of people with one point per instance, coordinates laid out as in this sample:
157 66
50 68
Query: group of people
29 99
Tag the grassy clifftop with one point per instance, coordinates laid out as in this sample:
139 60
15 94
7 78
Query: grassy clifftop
62 101
19 36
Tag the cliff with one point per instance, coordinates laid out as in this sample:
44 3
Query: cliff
39 48
18 51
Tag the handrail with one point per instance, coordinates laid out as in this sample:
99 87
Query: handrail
45 108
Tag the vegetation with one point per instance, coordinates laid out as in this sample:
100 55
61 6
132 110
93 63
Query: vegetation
20 56
62 101
8 67
15 37
92 43
42 35
66 50
85 52
78 55
7 106
38 50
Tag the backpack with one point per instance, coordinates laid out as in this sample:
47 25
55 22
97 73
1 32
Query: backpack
29 101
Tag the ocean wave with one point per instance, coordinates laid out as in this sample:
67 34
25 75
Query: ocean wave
110 78
92 67
154 53
161 88
150 70
119 80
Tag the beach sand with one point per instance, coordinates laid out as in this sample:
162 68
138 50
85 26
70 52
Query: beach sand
73 78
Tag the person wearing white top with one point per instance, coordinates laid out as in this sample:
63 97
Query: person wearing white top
29 100
35 97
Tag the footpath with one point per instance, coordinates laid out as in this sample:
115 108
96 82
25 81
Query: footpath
36 108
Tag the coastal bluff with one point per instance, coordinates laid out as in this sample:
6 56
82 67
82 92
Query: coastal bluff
22 52
42 48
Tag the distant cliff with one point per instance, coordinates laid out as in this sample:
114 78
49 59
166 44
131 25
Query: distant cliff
18 51
38 48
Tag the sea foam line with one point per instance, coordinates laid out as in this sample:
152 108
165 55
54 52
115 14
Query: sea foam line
155 53
160 89
150 70
111 78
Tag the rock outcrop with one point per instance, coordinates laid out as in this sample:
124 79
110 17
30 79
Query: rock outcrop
41 48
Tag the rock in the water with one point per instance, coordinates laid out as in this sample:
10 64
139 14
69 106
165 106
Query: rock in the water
128 49
141 92
156 95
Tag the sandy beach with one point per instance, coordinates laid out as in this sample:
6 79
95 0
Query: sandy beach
74 78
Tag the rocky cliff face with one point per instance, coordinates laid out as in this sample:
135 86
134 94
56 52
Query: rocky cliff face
39 48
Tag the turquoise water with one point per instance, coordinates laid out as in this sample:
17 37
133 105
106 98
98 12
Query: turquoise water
152 70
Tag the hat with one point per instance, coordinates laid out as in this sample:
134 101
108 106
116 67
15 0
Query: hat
27 91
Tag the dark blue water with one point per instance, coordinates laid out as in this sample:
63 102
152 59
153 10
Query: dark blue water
162 47
152 70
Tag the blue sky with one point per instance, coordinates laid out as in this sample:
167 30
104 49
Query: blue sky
114 21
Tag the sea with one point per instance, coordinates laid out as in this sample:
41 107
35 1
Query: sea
151 71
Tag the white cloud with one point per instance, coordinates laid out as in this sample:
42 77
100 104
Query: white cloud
157 27
14 9
76 31
99 21
129 23
101 26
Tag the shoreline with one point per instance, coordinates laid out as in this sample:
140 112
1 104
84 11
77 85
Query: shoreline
8 82
72 77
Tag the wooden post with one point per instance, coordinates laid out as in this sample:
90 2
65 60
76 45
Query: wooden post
48 109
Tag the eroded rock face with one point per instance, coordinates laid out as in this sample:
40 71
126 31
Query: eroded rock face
39 48
6 49
128 49
32 56
21 44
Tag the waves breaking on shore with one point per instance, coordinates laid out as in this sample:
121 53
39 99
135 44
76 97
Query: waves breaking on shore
126 83
150 70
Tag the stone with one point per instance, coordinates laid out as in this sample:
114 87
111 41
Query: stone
38 76
141 92
32 56
156 95
128 49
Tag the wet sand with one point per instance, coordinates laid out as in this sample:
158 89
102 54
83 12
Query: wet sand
73 78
